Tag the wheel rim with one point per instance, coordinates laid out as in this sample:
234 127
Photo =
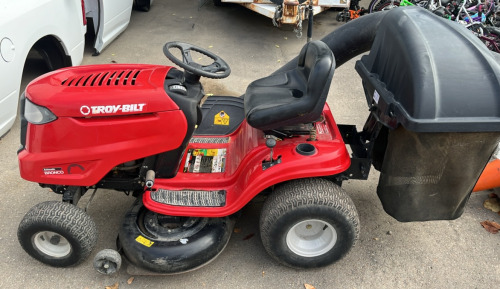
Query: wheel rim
387 6
311 238
106 267
52 244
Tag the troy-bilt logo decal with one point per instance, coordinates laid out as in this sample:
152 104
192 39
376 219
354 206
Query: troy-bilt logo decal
53 171
111 109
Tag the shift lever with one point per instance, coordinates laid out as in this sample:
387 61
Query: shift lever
271 143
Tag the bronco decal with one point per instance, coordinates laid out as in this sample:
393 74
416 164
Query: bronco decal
53 171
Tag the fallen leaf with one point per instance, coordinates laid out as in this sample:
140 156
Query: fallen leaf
130 280
210 46
286 38
263 273
490 226
237 230
114 286
492 204
277 46
249 236
496 225
308 286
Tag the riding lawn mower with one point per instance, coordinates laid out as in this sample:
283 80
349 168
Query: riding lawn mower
194 161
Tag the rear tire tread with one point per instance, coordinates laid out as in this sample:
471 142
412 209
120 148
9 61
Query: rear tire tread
303 193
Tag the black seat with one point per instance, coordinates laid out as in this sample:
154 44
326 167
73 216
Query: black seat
295 96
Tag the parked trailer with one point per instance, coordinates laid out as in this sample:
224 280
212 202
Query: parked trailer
288 11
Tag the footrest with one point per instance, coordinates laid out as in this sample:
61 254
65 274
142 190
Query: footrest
190 198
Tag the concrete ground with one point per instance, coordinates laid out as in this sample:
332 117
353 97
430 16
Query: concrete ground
389 254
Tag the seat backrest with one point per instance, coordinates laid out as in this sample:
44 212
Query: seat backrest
316 60
295 96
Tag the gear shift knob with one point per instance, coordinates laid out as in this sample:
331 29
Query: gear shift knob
270 143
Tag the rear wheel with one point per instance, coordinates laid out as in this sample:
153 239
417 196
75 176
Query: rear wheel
57 234
308 223
382 5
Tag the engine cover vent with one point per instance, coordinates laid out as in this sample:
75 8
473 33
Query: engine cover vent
104 78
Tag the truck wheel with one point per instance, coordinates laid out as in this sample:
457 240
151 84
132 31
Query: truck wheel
143 5
107 261
57 234
308 223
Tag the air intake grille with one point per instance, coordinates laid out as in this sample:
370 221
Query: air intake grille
104 78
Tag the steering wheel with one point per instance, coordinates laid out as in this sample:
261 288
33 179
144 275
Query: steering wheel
218 69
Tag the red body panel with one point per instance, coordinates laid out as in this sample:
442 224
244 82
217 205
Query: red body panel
66 91
108 115
244 177
78 149
84 150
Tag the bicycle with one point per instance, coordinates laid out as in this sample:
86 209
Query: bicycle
353 12
382 5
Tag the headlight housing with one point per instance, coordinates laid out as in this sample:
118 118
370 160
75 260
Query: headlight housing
36 114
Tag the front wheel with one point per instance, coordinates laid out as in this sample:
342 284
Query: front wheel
382 5
57 234
308 223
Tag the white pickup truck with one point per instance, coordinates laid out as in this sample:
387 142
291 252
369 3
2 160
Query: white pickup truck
55 30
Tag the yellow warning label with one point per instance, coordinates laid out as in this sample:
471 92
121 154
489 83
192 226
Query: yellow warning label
140 239
212 152
205 152
221 118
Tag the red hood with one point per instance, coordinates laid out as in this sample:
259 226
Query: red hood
102 90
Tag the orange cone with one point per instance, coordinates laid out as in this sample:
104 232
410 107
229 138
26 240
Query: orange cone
490 178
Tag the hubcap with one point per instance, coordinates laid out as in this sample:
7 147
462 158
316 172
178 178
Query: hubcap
52 244
311 238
